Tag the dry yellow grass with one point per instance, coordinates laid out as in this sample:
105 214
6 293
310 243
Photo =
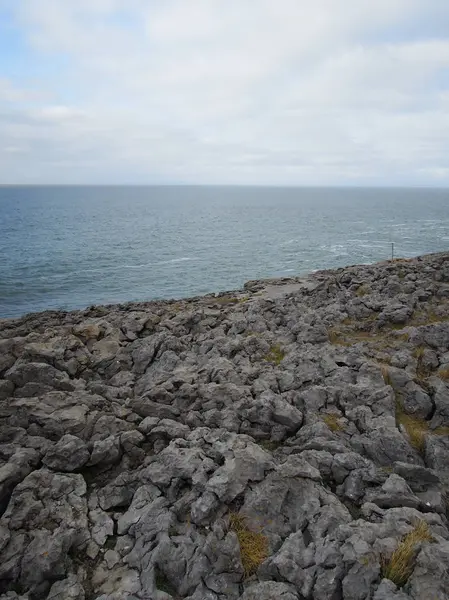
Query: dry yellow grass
363 290
443 430
253 544
402 337
269 445
386 374
336 337
275 355
415 427
333 422
444 374
418 352
349 337
429 316
399 566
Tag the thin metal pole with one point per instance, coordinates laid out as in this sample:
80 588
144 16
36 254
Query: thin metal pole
392 250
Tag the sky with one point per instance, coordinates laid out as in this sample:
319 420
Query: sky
267 92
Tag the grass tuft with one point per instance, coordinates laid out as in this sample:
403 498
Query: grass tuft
333 422
363 290
403 337
336 338
386 469
394 327
275 355
442 430
444 374
418 352
428 317
399 566
386 375
269 445
422 371
253 545
416 428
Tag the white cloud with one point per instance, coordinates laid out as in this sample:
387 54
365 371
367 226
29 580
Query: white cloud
278 91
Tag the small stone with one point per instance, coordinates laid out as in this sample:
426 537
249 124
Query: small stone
112 558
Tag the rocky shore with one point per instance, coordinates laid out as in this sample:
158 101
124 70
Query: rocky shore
289 441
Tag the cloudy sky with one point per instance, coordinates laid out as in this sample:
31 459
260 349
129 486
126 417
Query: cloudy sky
348 92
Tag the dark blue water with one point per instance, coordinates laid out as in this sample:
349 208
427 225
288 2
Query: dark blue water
70 247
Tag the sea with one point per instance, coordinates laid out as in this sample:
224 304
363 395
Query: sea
73 247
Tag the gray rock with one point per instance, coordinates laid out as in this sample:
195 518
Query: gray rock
441 401
6 389
246 465
283 505
67 589
297 466
430 578
328 584
437 454
102 526
141 504
397 314
120 583
147 408
44 376
358 584
19 465
118 492
388 591
343 464
45 558
287 415
147 424
7 359
385 446
112 558
11 558
56 413
179 463
130 439
416 402
436 335
394 492
69 454
203 507
145 352
418 478
293 563
167 429
268 590
105 452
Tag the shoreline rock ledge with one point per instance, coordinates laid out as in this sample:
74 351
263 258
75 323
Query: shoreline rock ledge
288 441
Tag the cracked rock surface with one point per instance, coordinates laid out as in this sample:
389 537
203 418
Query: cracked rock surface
284 442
